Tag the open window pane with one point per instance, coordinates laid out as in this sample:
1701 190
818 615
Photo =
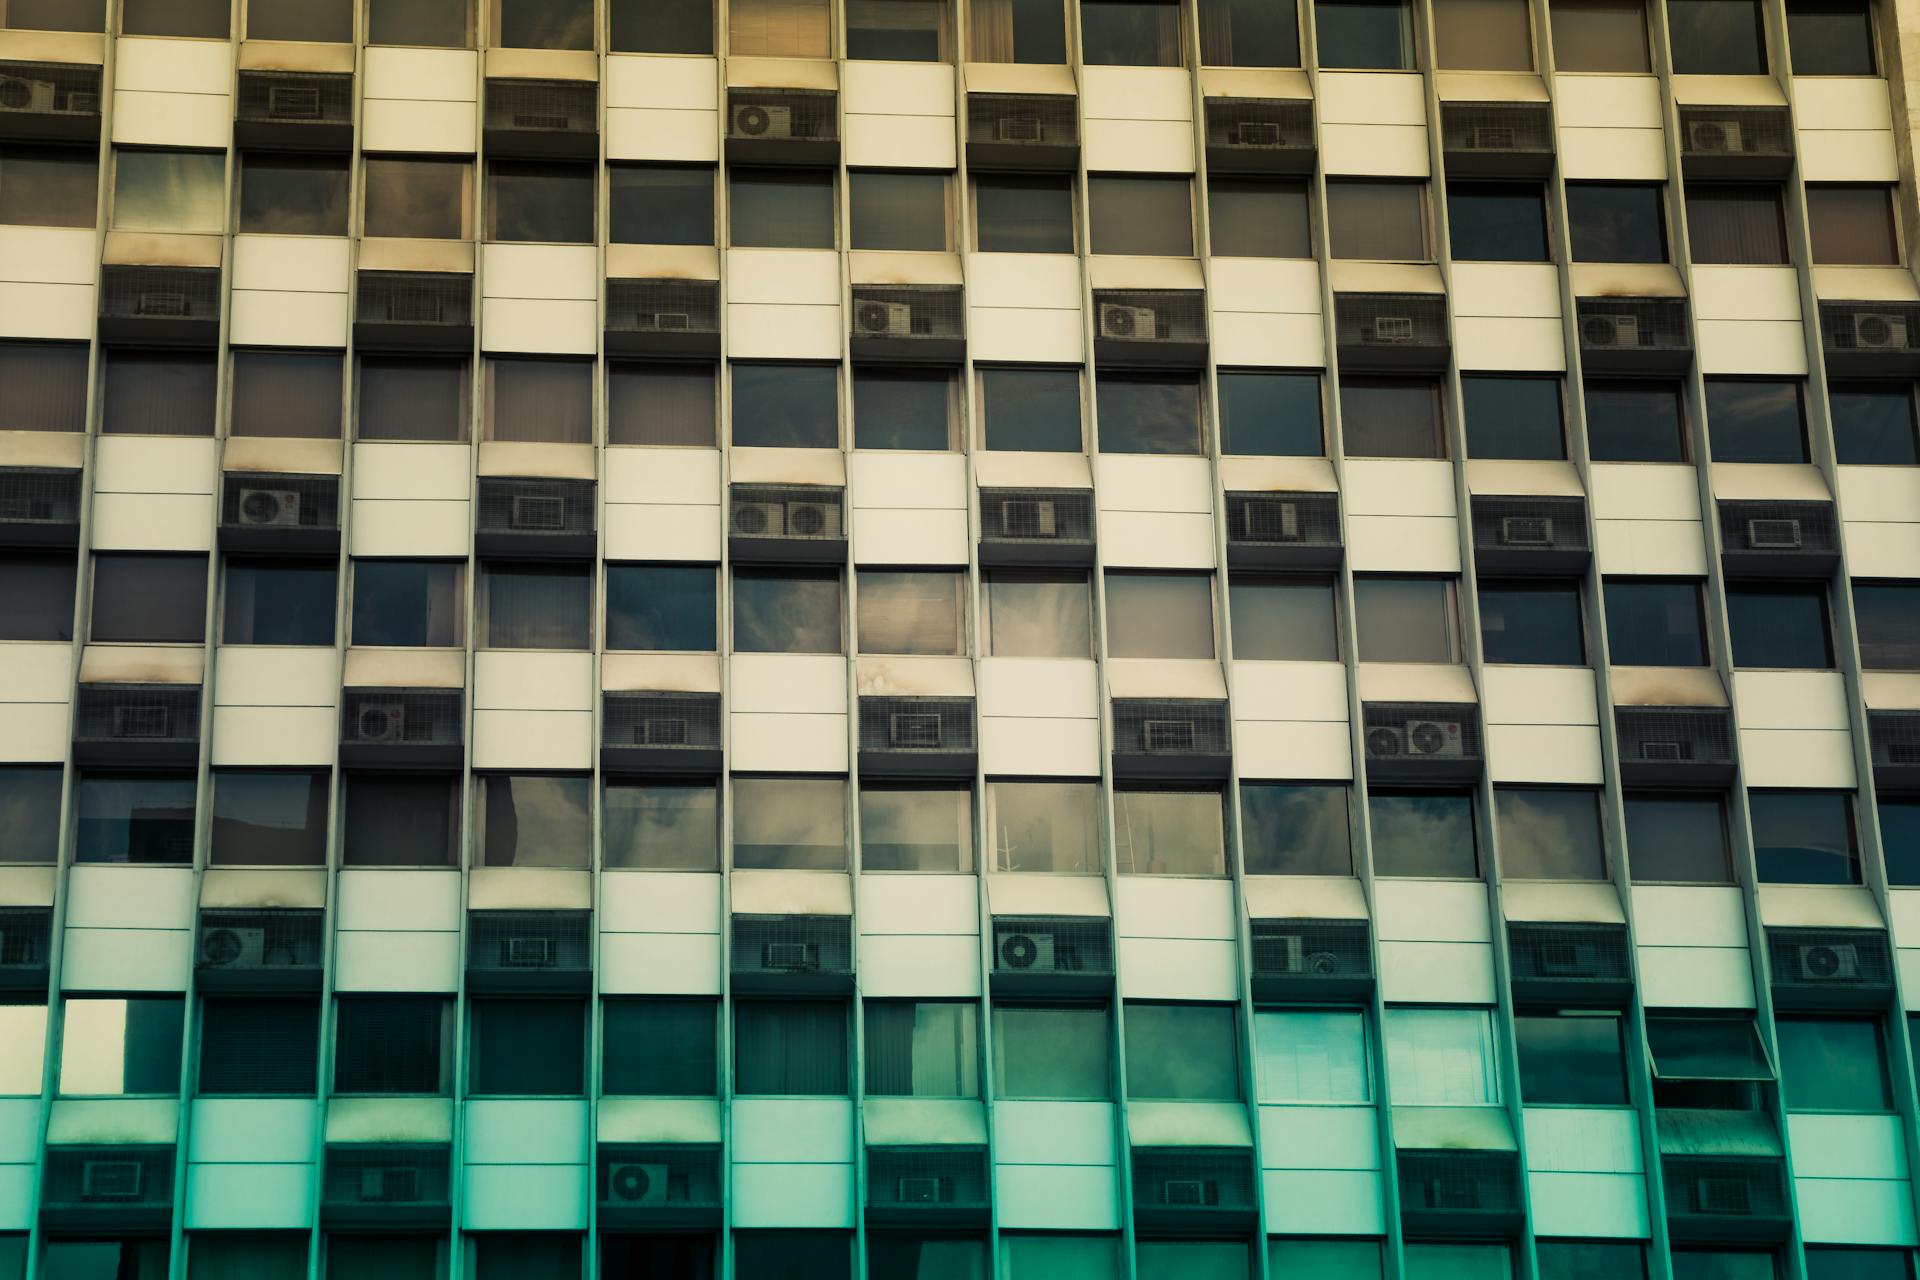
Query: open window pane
533 819
791 824
905 828
1441 1057
1270 414
400 820
1873 423
48 186
1677 838
1428 834
1052 1052
1405 620
786 611
1184 1052
1159 615
1549 834
1804 837
1035 410
660 1048
294 394
1296 829
661 826
1692 1048
1600 35
408 603
1045 826
923 1049
1635 422
1654 623
1317 1056
1391 418
1172 833
293 195
269 818
414 398
1034 613
149 599
540 201
536 606
145 818
1283 619
786 406
1249 33
1513 418
158 393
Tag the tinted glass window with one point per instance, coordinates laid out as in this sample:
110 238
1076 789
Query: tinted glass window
48 186
911 612
1251 218
1248 33
1739 225
533 819
392 1044
1141 215
54 15
1270 414
900 211
1030 409
29 813
1654 624
134 819
1148 413
1038 613
535 606
1405 620
408 602
1364 34
789 406
1873 423
293 195
1804 837
1717 37
923 1049
1166 832
1677 838
158 393
1016 31
254 1046
43 386
1283 619
539 201
1538 624
1295 829
1830 38
286 393
793 824
789 1047
1779 627
1616 222
1599 35
1423 834
1590 1260
1045 826
1386 221
1318 1056
1858 1264
904 828
1391 418
1159 615
1022 214
543 24
661 26
1833 1064
406 398
1304 1256
444 23
195 19
169 190
281 602
1132 33
39 593
1899 838
661 826
1441 1057
1571 1059
149 599
780 28
269 818
659 204
1183 1051
662 404
904 409
897 30
1723 1264
660 1048
1635 422
111 1047
1549 834
1051 1053
1887 616
1853 225
795 611
1483 35
527 1047
1513 418
661 607
400 821
1496 222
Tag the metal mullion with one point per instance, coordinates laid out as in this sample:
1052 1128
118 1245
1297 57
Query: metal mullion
723 574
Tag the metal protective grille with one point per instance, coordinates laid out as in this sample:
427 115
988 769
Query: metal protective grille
908 311
772 114
39 495
663 306
24 933
1870 326
294 97
1311 949
1151 315
1634 324
689 720
401 717
108 1177
543 106
1496 128
792 944
50 88
254 1046
278 939
927 1177
1523 524
1569 952
529 941
658 1176
1422 731
1778 526
1040 945
1171 726
1284 519
1036 515
1192 1178
160 293
1736 131
1675 735
157 713
361 1175
806 513
1471 1182
1724 1187
1260 124
1391 319
1829 958
535 506
916 724
415 298
264 500
1022 119
1896 737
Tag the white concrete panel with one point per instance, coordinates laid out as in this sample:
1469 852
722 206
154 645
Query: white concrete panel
1290 691
262 676
1855 1211
526 1131
1375 150
1848 155
1776 347
1689 916
904 141
1619 155
1288 286
1696 977
899 478
531 680
267 319
1609 1205
674 477
19 1129
278 736
34 733
1131 482
660 964
1013 334
16 1197
1157 540
252 1130
1437 972
382 960
533 739
443 75
1178 969
543 326
660 902
919 903
815 683
397 899
291 264
399 528
555 271
152 522
1903 916
1523 289
1367 97
656 133
200 120
1175 907
36 672
792 1195
899 88
46 311
1583 1140
910 536
783 741
412 471
1054 1133
1565 754
248 1196
1798 758
522 1197
1403 544
1048 687
943 966
1431 911
1305 1137
1882 550
1294 341
659 80
1670 547
663 532
1323 1202
1540 695
126 959
798 1130
435 128
48 255
1048 281
1746 293
1057 1197
1483 342
765 331
1280 749
1136 93
1890 494
1624 101
804 277
129 897
1015 746
1140 146
1847 1146
1791 699
1399 487
154 464
1842 102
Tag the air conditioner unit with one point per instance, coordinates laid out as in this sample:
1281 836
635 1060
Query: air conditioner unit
1256 133
661 731
913 729
1453 1193
919 1191
1491 138
751 120
1189 1193
1828 963
667 321
1773 535
1269 521
1389 330
883 319
293 102
811 520
389 1184
415 308
1028 518
790 955
1017 128
111 1180
1665 752
276 507
1714 136
1568 960
1386 741
171 306
83 103
142 722
1876 331
17 93
760 519
380 722
529 953
1167 735
1120 321
1722 1196
639 1185
1027 951
1610 331
1435 738
1526 531
233 948
538 513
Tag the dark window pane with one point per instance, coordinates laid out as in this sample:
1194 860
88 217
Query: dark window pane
391 1044
790 823
287 393
408 603
1635 422
1295 829
662 826
1429 834
281 602
1405 620
400 821
1182 1051
1677 838
55 15
536 606
1483 35
1251 218
790 1047
1052 1053
1031 31
260 1046
1539 625
911 612
1249 33
149 599
1724 1264
774 209
1831 38
793 1255
1804 837
1833 1064
325 20
539 401
1283 619
900 211
1513 418
1831 1263
897 30
904 409
293 195
913 1256
1496 222
790 406
1780 627
1148 413
796 611
514 1255
923 1049
158 393
43 386
659 204
662 404
269 819
539 201
1390 418
1853 225
533 819
29 813
111 1046
1740 225
38 589
1023 214
1374 35
904 827
247 1255
657 1254
1270 414
134 819
661 26
1130 33
662 607
442 23
1160 615
1141 215
1590 1259
1289 1256
1549 834
48 186
196 19
1616 222
1899 838
1385 221
419 198
1600 35
1031 409
404 398
543 24
1887 616
1654 624
1873 424
660 1048
528 1047
1717 37
1571 1059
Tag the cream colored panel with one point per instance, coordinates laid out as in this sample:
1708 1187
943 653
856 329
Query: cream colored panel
1366 97
1432 911
660 964
539 271
1157 539
1746 293
291 264
1289 285
805 276
46 311
152 522
1174 907
1403 544
533 740
1140 146
1848 155
784 332
669 476
653 133
397 899
1651 491
1625 101
900 478
1880 493
1015 746
533 681
662 532
944 967
1481 342
806 683
1673 547
1049 281
34 733
36 672
1842 102
1546 753
1286 341
789 742
440 75
396 961
660 902
1383 150
909 535
1882 550
289 319
902 141
126 959
641 80
202 120
1791 699
410 529
1763 346
441 471
1696 977
919 903
1178 969
48 255
1289 691
1062 687
1540 695
1136 93
1132 482
899 88
1689 916
1530 289
1619 155
1293 749
1399 487
275 736
441 128
130 897
1437 972
1797 758
1014 335
547 327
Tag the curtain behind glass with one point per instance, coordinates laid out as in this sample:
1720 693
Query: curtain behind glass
540 401
780 28
159 393
1311 1057
790 1047
287 394
1736 225
1441 1057
537 607
43 386
923 1050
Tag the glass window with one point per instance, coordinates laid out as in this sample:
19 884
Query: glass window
1853 225
905 409
1804 837
1873 423
293 195
1283 619
543 24
1045 826
1599 35
267 818
1016 31
1534 623
111 1047
43 386
536 606
1130 33
1458 1262
786 406
1391 418
791 824
1496 221
54 15
1750 420
1441 1057
1270 414
543 201
1383 221
508 1255
1248 33
1830 1263
1036 410
662 404
659 203
1022 213
279 602
1549 834
1780 627
1677 838
1159 615
1513 418
255 1046
1405 620
137 1259
1571 1059
1686 1047
1051 1052
1717 37
923 1049
661 26
438 23
790 1047
1833 1064
158 393
287 394
1296 828
786 611
1590 1260
527 1047
413 398
1616 221
533 819
1654 623
1831 38
393 1044
247 1255
427 199
1190 1260
1483 35
29 813
1331 1259
662 607
1887 615
904 828
1635 422
408 603
780 209
921 1254
1367 35
897 30
1739 224
23 1033
1317 1056
1058 1256
195 19
1037 613
898 211
1148 413
1423 834
397 820
792 1255
48 186
661 826
38 589
149 599
1173 833
1135 215
660 1048
1258 218
537 401
1723 1264
780 28
1899 837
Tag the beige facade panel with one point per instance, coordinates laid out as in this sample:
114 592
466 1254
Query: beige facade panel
1769 347
533 740
46 311
406 529
1509 345
1178 969
506 680
275 736
667 964
793 742
663 532
125 960
1695 977
426 127
1437 973
1548 754
910 536
540 326
152 522
920 966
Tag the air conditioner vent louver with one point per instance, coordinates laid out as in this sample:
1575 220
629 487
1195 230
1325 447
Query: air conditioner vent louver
792 946
154 714
37 499
781 115
1635 334
1673 744
644 306
542 106
1192 1184
916 724
1712 1193
1536 536
1495 138
1831 961
1583 957
1310 951
432 299
533 510
1895 738
1048 947
25 933
385 1177
1391 330
96 1181
1458 1190
679 721
1013 121
1283 519
1260 124
1187 726
1870 336
1060 516
129 293
294 97
543 944
939 1182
